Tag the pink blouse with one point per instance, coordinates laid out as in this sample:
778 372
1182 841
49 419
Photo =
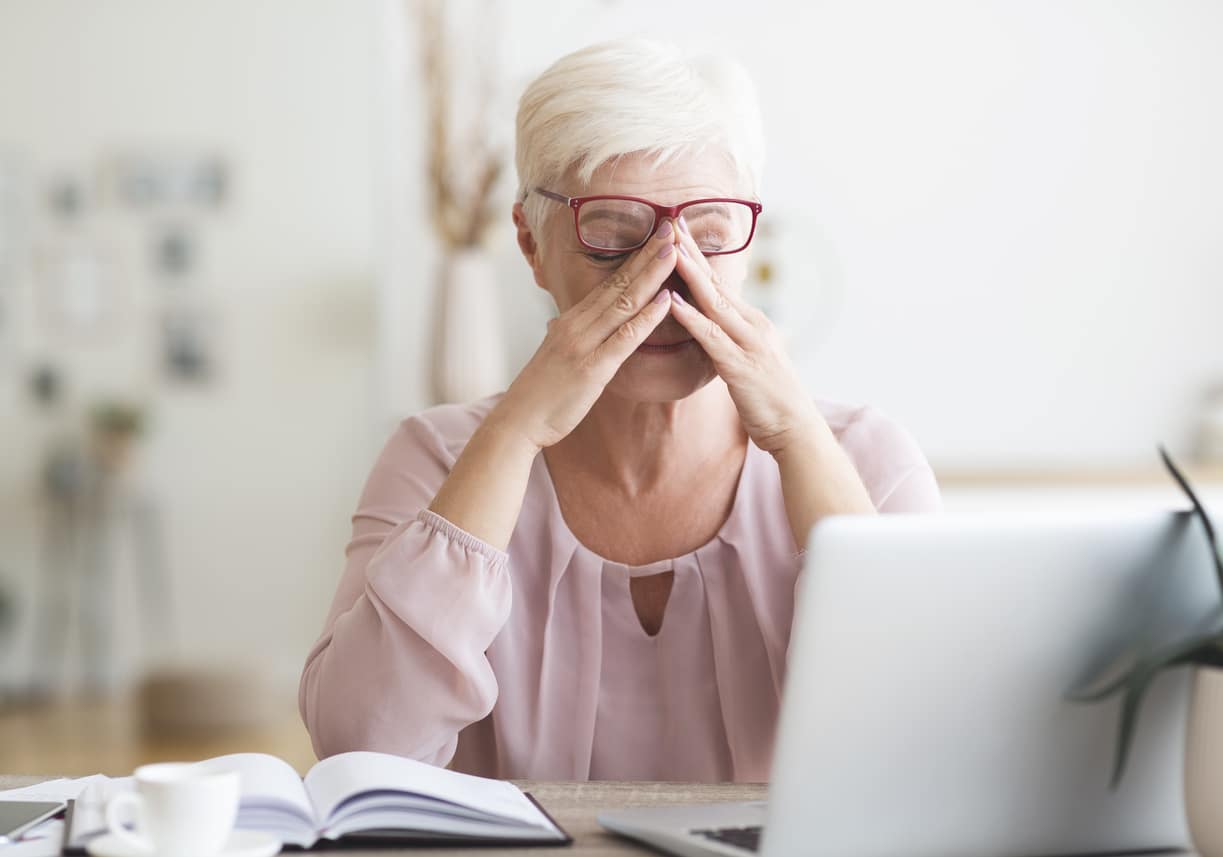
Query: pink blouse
423 656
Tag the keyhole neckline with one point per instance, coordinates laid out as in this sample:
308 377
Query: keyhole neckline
661 565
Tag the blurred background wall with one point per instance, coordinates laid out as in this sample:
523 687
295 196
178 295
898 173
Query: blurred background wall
254 448
999 222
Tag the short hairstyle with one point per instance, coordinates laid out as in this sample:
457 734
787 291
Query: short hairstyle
633 96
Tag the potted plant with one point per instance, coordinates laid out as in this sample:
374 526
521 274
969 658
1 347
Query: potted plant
114 426
1202 650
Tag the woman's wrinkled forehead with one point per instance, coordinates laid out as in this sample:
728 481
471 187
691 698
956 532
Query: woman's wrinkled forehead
670 182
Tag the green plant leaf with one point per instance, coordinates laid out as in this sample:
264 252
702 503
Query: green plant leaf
1152 661
1139 654
1105 691
1200 510
1203 650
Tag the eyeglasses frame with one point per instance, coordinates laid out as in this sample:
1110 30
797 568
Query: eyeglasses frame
660 211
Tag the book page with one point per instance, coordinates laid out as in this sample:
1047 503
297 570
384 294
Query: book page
336 779
390 823
268 784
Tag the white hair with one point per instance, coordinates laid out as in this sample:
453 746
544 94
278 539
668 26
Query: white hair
633 96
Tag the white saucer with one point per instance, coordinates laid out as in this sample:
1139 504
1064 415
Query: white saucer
241 843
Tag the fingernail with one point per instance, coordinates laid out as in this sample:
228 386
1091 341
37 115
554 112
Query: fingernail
675 297
683 225
683 251
664 231
665 251
663 296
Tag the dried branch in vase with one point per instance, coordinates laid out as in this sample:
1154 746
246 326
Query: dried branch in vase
462 184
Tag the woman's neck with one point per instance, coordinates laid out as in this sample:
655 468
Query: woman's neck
635 447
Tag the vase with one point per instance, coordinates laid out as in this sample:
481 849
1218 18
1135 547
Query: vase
1204 763
468 352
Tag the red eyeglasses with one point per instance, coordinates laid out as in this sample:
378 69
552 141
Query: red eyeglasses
621 224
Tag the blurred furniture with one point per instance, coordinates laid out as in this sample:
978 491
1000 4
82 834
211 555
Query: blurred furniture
193 702
90 504
1074 490
78 735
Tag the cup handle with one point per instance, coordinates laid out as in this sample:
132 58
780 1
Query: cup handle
114 810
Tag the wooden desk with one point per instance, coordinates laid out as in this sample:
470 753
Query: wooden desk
574 806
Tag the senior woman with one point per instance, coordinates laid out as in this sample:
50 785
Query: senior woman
591 575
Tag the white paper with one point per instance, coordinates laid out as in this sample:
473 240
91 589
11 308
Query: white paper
49 840
89 812
50 790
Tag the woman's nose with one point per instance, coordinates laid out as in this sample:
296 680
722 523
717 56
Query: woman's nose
676 283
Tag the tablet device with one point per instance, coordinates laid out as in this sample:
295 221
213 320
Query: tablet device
18 816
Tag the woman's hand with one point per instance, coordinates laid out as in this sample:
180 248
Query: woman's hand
747 353
817 477
585 346
580 354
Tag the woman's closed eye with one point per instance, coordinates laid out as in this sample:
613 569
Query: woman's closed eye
606 258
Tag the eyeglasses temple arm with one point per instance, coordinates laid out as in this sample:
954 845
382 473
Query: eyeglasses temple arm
550 195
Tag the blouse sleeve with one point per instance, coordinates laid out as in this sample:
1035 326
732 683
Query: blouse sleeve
400 666
916 492
891 464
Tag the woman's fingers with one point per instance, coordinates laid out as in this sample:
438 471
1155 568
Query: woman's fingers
690 245
624 340
622 295
723 351
726 310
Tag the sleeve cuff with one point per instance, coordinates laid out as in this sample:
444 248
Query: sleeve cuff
440 525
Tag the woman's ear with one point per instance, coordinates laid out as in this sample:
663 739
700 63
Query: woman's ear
528 245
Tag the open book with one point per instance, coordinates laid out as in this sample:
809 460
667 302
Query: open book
375 798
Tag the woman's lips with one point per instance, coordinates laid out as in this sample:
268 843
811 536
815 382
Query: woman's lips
668 338
664 348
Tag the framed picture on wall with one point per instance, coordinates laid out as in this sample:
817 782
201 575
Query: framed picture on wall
77 290
182 180
189 344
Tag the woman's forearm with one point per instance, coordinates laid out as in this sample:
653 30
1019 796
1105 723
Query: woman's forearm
818 479
483 493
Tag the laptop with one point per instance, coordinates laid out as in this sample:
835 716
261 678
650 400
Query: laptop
925 712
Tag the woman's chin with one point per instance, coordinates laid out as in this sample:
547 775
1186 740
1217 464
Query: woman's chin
663 377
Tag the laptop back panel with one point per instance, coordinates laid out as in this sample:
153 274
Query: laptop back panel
926 711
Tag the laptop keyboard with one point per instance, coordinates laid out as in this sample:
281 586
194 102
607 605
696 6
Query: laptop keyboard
747 838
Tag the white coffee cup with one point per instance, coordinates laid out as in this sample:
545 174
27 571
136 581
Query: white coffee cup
180 810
